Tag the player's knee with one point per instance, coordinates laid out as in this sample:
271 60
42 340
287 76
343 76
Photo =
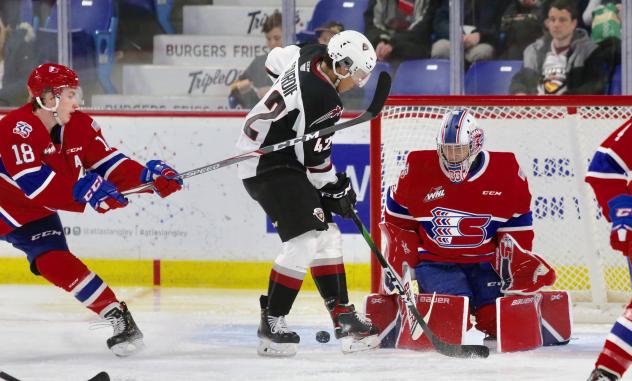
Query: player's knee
61 268
329 243
298 252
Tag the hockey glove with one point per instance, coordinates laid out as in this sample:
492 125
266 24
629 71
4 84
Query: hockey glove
163 177
520 271
98 192
621 217
339 197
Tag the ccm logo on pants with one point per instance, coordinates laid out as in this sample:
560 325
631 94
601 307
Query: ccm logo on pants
47 233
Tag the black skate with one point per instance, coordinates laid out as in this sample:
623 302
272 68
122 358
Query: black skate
602 375
127 338
276 340
354 332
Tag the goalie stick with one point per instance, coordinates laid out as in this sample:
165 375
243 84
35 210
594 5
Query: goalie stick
381 93
452 350
102 376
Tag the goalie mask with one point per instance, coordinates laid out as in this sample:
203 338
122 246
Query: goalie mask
459 140
352 50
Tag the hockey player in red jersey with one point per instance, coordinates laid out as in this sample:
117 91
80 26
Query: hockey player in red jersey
610 174
46 146
456 205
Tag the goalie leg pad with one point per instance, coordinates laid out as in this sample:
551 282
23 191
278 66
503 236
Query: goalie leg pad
518 323
383 312
556 317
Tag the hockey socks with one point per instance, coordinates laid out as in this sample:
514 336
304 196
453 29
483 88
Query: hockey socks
616 355
282 290
66 271
331 281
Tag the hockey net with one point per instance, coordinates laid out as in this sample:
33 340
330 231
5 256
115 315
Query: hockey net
553 139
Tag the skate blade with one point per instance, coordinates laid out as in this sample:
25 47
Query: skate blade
268 348
128 348
352 345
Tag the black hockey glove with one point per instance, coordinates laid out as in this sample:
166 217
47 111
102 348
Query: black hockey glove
339 197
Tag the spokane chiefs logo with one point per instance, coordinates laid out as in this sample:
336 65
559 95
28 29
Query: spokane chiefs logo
23 129
453 228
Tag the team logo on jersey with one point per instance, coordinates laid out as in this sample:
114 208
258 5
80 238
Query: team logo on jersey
454 228
435 193
335 112
50 149
306 66
23 129
318 213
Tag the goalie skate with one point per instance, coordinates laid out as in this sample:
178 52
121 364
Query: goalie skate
127 338
275 338
355 333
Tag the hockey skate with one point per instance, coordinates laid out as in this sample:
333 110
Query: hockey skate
354 332
275 339
602 375
127 338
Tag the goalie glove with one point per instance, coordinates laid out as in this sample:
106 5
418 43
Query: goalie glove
521 271
339 197
400 253
621 217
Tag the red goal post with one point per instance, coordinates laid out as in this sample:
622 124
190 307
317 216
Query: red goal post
553 138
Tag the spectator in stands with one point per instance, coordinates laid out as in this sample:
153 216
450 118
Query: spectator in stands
327 30
481 24
400 30
17 59
563 60
521 25
603 16
253 83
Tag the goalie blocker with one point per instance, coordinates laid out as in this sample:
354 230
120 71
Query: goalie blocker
525 319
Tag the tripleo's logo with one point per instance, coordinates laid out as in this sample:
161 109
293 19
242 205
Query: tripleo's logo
23 129
454 228
318 213
434 194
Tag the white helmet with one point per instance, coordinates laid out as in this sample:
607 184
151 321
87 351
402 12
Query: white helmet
459 140
350 49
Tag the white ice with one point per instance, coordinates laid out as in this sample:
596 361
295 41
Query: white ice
205 334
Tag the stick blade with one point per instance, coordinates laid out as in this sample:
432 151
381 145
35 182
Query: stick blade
461 351
382 90
103 376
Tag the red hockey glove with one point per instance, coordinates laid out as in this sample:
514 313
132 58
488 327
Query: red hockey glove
521 271
164 177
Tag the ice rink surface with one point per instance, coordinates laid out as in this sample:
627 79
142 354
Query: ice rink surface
205 334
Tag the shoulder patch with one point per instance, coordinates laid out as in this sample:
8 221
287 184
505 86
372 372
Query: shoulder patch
23 129
96 126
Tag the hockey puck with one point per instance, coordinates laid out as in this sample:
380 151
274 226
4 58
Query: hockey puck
322 336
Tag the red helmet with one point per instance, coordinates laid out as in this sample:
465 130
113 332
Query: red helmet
53 77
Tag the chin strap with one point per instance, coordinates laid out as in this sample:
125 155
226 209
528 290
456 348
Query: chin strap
53 109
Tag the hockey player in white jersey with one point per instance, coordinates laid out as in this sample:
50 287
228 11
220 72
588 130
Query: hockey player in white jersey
298 187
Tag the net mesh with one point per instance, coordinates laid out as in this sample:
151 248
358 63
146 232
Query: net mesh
553 145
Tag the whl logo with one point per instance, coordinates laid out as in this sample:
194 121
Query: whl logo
454 228
434 194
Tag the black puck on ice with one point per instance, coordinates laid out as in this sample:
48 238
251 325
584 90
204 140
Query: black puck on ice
322 336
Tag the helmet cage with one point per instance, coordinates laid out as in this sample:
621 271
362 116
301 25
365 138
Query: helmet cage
456 158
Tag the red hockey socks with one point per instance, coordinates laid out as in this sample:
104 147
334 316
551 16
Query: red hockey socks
616 355
486 319
66 271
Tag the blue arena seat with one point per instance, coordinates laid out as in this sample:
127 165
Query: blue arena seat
27 15
490 77
350 13
369 87
422 77
615 82
161 8
93 29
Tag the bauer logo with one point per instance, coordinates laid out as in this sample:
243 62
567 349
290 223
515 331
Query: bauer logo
519 302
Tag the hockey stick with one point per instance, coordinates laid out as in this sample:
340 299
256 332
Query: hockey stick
452 350
7 377
381 93
103 376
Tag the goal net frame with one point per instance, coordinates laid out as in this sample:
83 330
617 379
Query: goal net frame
586 121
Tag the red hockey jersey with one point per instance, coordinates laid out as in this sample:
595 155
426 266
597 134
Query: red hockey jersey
462 222
38 169
610 170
